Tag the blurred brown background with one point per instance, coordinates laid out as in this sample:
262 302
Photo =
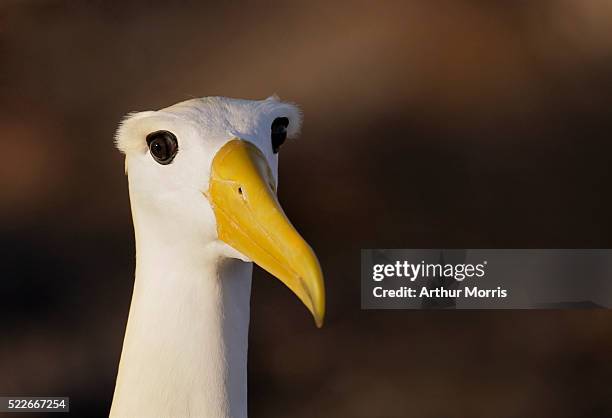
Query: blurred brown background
427 124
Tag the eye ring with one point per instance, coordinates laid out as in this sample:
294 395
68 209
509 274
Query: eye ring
163 146
278 133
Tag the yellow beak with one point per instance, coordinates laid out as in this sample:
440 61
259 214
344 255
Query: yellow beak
250 219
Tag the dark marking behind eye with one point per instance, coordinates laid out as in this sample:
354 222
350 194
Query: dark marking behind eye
278 133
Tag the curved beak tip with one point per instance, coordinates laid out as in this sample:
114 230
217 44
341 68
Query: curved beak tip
251 220
319 321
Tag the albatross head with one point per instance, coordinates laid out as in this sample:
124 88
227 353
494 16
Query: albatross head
204 173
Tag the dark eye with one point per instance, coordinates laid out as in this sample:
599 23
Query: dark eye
163 146
278 133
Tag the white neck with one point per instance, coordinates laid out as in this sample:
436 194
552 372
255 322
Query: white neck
185 347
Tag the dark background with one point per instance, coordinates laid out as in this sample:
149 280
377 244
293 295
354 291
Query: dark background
469 124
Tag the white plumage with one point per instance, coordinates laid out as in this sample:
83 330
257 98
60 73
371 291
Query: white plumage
185 347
